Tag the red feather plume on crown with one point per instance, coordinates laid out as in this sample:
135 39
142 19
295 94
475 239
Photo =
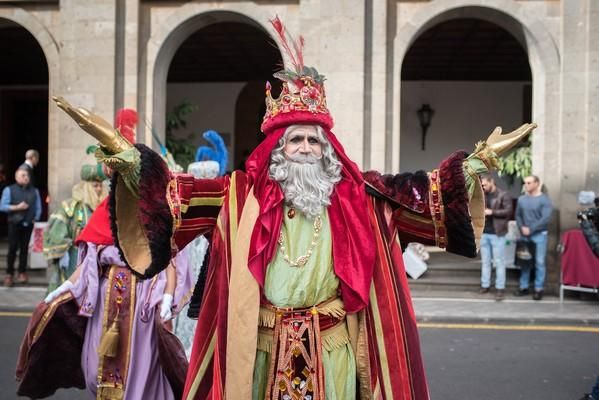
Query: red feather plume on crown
302 99
125 122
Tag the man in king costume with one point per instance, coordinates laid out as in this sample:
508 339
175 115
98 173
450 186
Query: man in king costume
306 295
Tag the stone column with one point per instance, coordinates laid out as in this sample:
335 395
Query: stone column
592 160
574 113
127 60
567 175
378 89
334 33
87 78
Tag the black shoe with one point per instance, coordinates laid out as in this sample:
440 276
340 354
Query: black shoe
587 397
538 295
499 295
483 290
521 292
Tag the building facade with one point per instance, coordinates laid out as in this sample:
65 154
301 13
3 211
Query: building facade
108 54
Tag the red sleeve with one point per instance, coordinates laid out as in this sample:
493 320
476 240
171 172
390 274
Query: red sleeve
430 208
196 204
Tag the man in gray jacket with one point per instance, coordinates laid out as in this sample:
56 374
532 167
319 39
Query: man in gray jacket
498 210
533 213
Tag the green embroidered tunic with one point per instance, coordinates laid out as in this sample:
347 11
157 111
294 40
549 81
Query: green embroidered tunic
315 282
63 228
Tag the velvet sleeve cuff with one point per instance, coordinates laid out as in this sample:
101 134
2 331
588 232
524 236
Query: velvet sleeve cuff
143 223
434 208
461 213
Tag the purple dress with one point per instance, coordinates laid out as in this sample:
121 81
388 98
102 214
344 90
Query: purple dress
145 377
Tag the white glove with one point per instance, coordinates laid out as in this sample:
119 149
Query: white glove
165 307
65 287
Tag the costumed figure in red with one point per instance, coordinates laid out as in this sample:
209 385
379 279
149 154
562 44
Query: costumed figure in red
306 295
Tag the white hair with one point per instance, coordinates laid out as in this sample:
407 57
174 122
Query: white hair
307 181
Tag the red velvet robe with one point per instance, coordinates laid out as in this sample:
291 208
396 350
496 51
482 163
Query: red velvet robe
398 208
432 209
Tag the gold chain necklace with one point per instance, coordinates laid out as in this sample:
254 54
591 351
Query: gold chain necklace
301 260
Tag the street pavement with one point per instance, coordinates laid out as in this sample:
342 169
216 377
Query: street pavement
462 361
21 298
474 347
509 363
513 310
12 327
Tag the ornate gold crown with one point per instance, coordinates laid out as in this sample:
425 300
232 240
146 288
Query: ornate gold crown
301 101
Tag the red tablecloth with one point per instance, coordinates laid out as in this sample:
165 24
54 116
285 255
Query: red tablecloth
579 265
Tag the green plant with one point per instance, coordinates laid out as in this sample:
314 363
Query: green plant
182 149
517 164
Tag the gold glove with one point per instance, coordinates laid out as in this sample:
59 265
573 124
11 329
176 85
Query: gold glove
498 145
96 126
501 144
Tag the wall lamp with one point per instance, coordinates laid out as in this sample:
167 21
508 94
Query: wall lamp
425 115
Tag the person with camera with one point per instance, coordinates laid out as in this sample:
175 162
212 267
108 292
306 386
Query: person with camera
498 210
533 213
589 221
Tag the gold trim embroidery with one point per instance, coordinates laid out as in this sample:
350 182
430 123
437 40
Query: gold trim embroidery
49 312
105 324
437 209
131 321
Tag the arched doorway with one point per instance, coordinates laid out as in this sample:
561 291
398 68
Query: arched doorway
475 75
23 103
211 70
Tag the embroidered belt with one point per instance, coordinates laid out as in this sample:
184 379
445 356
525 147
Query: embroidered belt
295 338
117 326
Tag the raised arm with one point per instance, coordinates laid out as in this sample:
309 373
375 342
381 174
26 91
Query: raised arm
445 207
153 211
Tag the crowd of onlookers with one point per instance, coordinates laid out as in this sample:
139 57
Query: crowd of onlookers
22 205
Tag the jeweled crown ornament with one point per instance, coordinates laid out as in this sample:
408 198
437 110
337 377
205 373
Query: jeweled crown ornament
302 99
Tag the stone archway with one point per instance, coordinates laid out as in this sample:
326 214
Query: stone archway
211 70
475 75
163 45
543 57
32 93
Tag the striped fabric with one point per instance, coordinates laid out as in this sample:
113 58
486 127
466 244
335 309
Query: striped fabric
205 378
394 364
390 364
199 208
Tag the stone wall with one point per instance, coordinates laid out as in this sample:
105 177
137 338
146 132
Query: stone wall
107 54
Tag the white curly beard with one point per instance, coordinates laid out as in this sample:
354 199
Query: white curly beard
306 185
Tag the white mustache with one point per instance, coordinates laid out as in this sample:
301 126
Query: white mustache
304 158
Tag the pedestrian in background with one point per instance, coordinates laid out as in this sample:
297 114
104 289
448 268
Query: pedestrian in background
533 213
21 201
498 210
32 158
